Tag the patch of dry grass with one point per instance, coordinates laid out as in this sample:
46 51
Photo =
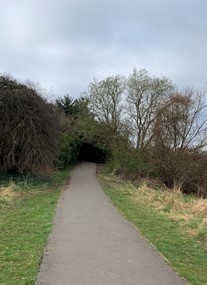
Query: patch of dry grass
189 211
8 193
174 223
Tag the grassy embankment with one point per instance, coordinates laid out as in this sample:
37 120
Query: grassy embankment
174 223
27 209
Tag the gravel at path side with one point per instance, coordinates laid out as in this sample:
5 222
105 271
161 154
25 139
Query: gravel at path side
92 244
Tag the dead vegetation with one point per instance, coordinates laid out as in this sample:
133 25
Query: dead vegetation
189 211
8 193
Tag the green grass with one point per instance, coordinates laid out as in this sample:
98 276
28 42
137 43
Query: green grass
186 255
25 222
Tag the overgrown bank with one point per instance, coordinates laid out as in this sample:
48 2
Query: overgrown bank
27 209
142 125
174 223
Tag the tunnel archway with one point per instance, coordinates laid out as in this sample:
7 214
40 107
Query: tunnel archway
92 153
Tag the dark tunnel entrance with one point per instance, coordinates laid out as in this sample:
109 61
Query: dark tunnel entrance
91 153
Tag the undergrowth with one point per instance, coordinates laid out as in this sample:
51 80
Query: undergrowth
175 223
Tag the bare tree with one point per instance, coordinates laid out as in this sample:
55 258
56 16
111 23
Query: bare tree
105 99
106 103
144 94
180 135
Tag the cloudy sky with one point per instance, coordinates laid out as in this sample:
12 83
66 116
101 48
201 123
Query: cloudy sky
64 44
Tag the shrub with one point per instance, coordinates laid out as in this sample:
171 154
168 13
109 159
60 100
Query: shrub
69 149
130 164
28 129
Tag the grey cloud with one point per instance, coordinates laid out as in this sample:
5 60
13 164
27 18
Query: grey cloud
64 44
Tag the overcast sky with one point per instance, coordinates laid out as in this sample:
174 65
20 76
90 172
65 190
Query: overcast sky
64 44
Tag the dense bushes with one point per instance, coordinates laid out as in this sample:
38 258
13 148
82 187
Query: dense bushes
36 136
69 149
28 130
141 125
153 129
130 164
81 137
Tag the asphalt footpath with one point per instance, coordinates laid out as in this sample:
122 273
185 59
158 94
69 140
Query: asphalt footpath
92 244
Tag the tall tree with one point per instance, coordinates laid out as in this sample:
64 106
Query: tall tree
66 104
105 98
180 134
144 94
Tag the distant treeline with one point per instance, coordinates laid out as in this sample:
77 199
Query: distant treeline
140 125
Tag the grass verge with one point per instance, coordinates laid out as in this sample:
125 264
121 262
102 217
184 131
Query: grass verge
173 223
27 208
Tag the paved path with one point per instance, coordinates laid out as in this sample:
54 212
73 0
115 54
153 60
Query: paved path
91 244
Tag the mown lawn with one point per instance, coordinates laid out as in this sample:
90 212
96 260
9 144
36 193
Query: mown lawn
171 222
27 209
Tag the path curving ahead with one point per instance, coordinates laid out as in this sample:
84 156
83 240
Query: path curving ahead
92 244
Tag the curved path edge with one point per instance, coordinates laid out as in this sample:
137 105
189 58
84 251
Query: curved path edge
92 244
